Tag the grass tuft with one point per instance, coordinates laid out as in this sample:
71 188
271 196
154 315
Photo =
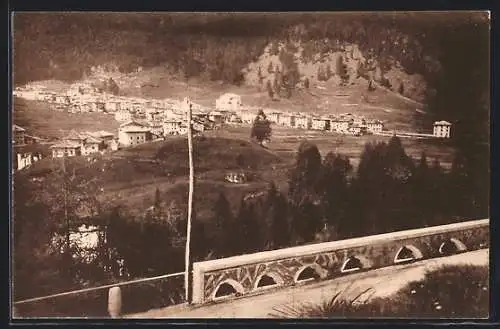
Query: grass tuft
453 291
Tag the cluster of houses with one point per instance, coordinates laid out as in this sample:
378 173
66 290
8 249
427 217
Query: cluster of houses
232 111
84 143
144 120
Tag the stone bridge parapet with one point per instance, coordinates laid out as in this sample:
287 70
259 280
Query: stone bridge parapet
259 272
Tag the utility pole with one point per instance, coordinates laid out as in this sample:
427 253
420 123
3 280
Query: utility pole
190 202
66 219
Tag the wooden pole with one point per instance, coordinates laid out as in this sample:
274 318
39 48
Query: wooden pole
190 202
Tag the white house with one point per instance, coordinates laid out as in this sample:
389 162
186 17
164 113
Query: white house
25 159
303 122
123 116
91 145
228 102
273 117
355 130
287 120
247 116
113 106
132 133
62 99
374 126
442 129
113 145
172 127
340 125
156 129
320 124
66 149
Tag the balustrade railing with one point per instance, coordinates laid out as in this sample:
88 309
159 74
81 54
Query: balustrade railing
134 296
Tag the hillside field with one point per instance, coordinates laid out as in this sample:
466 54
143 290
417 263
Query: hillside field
130 177
41 121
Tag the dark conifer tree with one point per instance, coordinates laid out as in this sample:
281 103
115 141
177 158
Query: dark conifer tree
223 220
250 236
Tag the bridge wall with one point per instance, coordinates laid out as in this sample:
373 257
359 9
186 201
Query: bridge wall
327 260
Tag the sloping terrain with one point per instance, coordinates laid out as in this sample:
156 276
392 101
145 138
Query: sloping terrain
130 177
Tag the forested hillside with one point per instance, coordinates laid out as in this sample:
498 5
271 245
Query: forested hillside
221 46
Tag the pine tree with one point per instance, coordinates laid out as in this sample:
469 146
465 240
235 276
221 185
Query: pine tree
223 220
336 191
422 190
371 86
200 244
342 70
157 201
276 218
270 68
176 223
270 91
320 74
278 79
305 192
112 87
261 128
250 235
401 88
306 83
328 73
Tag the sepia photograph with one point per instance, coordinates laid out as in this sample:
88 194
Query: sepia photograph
272 165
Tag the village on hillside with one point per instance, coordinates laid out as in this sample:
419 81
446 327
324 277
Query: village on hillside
144 120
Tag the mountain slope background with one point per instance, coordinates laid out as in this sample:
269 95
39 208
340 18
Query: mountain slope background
234 48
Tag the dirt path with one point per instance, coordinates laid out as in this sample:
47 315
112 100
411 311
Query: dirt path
384 282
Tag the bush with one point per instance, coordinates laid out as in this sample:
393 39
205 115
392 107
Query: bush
452 291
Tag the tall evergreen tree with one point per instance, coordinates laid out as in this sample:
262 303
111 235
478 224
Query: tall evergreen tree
342 70
305 192
270 90
336 191
328 73
223 220
250 235
157 200
270 68
277 221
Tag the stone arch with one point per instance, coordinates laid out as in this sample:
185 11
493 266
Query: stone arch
228 288
407 253
355 263
451 246
265 280
308 273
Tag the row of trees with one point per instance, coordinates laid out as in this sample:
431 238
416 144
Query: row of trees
326 200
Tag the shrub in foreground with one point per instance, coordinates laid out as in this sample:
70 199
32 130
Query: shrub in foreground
450 292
